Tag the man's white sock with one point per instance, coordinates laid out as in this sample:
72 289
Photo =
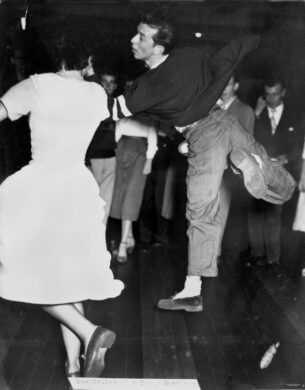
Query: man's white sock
192 287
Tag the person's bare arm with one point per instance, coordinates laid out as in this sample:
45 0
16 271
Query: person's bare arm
302 178
3 112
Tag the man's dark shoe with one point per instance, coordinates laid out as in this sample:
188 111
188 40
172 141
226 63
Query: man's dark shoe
252 173
191 304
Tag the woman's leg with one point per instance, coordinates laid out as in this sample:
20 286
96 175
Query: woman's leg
72 318
126 231
72 344
96 339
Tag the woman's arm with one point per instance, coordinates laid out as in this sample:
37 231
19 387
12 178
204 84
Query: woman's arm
152 148
152 141
302 178
3 112
301 184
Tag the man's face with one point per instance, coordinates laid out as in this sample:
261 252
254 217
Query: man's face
229 90
143 45
274 95
109 83
19 61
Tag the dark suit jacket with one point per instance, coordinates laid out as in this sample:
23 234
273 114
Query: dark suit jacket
243 113
288 137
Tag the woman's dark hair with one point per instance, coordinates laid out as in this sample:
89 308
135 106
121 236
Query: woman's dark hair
65 48
165 35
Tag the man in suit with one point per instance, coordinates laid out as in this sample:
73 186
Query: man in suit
277 129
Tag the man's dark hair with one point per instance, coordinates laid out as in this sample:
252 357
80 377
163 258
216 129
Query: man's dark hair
165 35
107 70
275 80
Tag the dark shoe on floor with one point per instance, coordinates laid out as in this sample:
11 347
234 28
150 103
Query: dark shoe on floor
259 261
158 244
274 269
101 340
192 304
254 261
161 240
252 173
145 247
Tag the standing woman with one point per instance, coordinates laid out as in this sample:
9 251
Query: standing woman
52 239
136 146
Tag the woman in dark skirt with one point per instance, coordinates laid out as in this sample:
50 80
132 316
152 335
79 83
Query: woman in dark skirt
134 154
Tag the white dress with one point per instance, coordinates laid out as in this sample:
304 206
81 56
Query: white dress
52 236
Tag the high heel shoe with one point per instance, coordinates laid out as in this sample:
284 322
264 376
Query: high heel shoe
130 244
122 253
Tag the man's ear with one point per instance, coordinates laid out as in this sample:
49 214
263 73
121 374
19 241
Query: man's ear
236 86
283 92
159 49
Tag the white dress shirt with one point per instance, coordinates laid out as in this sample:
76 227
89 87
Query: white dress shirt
275 115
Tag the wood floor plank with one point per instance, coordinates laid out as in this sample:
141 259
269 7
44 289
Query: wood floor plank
177 320
229 343
159 351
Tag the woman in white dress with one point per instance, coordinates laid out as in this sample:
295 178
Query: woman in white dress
52 237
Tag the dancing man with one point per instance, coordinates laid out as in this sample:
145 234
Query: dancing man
182 87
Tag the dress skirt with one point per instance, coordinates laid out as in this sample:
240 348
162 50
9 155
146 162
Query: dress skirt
52 236
129 181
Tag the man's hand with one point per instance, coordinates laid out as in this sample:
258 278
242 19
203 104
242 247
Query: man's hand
260 105
183 148
282 159
147 166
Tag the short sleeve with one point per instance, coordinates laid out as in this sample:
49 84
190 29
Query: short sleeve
103 100
19 99
98 104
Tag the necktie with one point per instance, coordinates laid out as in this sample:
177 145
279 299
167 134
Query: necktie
272 120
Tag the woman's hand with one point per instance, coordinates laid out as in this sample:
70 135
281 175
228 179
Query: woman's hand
301 185
147 166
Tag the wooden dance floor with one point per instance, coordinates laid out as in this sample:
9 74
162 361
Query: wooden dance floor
246 309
